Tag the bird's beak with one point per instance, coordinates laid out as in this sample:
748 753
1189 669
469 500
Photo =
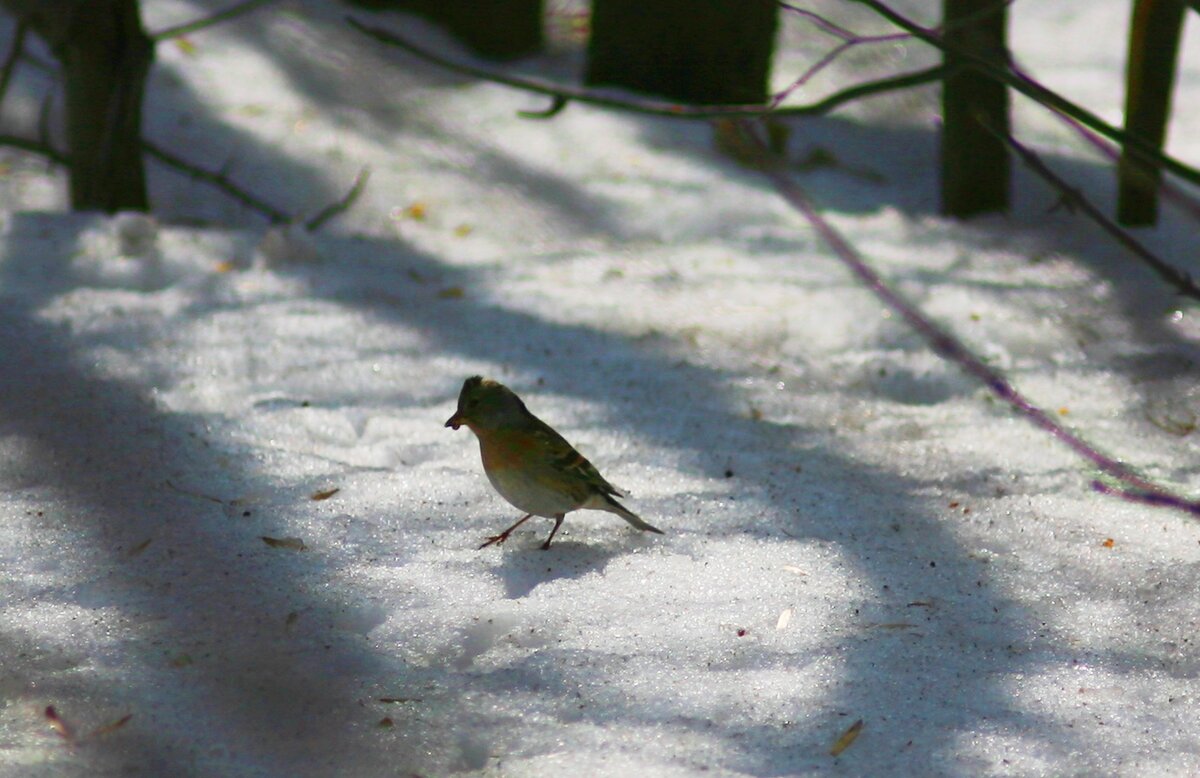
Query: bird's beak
455 421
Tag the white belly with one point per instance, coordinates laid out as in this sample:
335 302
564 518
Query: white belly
527 494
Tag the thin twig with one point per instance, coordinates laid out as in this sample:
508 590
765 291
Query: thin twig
347 200
1073 198
564 92
199 495
218 180
187 28
848 40
828 59
818 21
1172 192
35 147
14 55
1124 480
1031 88
557 103
831 27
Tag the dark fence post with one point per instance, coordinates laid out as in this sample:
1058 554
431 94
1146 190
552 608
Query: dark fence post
975 163
715 51
496 29
1149 77
105 56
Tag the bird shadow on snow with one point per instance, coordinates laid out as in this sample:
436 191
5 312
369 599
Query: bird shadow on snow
524 568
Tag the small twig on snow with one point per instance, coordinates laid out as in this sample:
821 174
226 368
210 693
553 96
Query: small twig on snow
557 103
218 180
333 209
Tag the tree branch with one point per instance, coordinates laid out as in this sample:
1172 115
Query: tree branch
561 93
218 180
35 147
1031 88
1124 481
188 28
1074 199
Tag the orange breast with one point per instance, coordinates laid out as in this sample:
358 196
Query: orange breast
503 451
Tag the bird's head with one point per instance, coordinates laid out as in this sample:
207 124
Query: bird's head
486 404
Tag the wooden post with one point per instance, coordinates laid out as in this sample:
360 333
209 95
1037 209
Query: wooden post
714 51
975 163
1149 78
105 56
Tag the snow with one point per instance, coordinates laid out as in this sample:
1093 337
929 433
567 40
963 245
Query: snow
855 529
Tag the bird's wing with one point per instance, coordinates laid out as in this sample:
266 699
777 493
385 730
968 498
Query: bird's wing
563 458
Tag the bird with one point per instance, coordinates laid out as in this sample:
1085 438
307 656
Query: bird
529 464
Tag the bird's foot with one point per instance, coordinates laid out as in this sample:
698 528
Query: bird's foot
495 540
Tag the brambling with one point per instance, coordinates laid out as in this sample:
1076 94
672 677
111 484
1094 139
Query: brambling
531 465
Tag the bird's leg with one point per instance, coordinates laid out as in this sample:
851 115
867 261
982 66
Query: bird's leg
503 536
558 520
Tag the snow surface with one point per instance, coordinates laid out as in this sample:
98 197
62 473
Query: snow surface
855 530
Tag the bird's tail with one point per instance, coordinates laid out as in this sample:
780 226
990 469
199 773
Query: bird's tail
612 506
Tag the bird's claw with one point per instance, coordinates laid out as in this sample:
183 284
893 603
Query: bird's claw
497 540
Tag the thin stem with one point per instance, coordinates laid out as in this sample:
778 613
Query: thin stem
35 147
1074 198
342 205
1030 88
563 92
218 180
1129 483
196 25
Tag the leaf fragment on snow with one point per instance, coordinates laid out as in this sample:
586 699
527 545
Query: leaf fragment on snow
325 494
295 544
139 548
848 737
56 723
112 726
